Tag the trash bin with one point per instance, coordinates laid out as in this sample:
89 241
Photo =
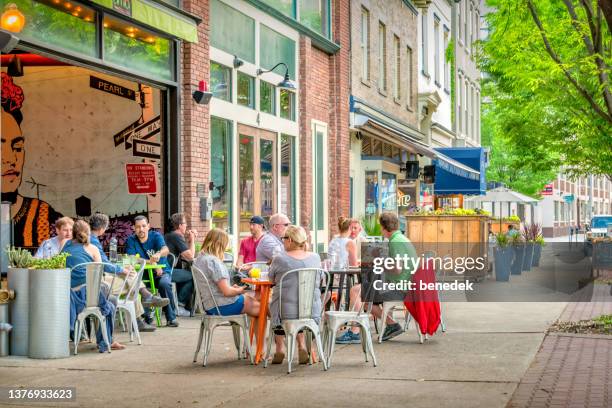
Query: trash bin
49 313
18 279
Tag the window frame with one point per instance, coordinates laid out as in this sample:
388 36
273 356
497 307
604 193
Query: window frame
365 44
410 88
397 77
382 58
436 50
424 45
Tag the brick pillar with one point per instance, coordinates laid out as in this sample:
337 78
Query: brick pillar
339 200
305 171
195 119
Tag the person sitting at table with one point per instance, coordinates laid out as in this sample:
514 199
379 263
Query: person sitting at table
181 243
271 243
150 245
80 250
342 248
400 246
248 246
231 299
358 235
99 223
295 256
53 246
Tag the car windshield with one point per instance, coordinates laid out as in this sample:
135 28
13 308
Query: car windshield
601 222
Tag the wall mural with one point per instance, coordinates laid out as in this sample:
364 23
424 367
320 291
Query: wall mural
67 134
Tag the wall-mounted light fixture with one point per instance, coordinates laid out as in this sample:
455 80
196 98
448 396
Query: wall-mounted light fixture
202 96
286 83
12 19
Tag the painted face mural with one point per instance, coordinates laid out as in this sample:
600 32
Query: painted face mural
32 218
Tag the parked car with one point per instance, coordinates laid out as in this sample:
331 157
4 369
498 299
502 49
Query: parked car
600 227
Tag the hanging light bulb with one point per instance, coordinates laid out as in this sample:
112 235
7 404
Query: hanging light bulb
12 19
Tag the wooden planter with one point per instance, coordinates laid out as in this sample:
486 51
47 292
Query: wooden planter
454 236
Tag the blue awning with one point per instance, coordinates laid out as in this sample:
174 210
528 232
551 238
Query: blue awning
452 179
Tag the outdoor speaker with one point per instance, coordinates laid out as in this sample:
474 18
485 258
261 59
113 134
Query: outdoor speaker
412 170
202 97
429 174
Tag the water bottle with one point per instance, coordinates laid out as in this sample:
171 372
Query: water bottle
112 250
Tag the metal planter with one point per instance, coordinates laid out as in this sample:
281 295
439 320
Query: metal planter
18 280
49 313
537 252
503 258
517 263
528 256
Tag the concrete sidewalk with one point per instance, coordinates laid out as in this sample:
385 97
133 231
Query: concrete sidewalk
477 363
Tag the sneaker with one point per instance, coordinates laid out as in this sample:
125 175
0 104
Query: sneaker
392 331
182 312
349 338
145 327
155 301
172 323
147 319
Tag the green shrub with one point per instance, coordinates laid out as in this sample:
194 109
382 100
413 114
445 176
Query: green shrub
56 262
19 257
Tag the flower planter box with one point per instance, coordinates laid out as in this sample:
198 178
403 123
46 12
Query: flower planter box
451 235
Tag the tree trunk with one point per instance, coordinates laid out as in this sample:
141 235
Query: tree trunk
606 8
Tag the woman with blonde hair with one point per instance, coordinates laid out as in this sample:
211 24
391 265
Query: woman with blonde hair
295 256
342 248
231 300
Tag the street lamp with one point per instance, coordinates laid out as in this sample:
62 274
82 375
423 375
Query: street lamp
286 83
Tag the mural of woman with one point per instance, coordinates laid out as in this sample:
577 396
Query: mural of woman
32 218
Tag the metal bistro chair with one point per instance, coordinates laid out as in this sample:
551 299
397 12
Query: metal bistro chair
210 322
93 281
127 302
307 279
333 320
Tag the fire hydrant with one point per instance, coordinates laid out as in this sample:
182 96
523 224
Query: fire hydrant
6 295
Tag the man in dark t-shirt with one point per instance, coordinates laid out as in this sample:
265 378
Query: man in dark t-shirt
181 243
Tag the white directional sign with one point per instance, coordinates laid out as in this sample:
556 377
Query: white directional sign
143 148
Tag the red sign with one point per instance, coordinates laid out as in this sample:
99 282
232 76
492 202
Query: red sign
141 178
548 189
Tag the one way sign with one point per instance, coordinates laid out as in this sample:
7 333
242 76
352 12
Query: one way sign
142 148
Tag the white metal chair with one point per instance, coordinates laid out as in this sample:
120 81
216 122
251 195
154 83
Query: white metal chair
93 281
307 280
333 320
211 322
128 301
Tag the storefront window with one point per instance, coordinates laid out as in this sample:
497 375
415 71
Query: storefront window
266 163
284 6
287 104
246 179
315 15
220 171
221 81
287 185
137 49
246 90
275 48
267 98
388 192
371 192
232 31
68 25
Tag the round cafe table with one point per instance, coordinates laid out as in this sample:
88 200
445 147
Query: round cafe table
263 287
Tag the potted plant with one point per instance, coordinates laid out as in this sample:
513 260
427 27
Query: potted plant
371 225
503 257
529 239
537 250
518 248
20 260
49 308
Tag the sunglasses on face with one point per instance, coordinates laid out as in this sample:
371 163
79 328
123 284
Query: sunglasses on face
284 238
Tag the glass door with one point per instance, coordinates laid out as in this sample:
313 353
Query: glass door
257 167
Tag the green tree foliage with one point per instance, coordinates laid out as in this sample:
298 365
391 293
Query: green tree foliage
548 65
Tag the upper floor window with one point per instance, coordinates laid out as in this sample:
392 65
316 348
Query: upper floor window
410 63
382 57
221 81
437 50
365 44
232 31
459 21
397 62
446 61
424 44
314 14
